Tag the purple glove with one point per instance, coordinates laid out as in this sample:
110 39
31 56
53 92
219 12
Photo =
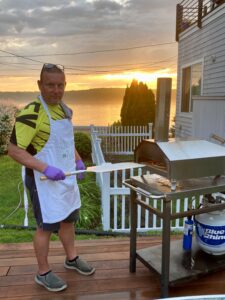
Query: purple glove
80 166
54 173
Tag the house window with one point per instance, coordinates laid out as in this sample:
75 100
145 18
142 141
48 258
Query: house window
191 86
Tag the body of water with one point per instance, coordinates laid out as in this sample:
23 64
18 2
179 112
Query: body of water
102 115
94 112
97 114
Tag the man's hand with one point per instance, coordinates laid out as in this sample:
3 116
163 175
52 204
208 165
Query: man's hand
80 166
54 173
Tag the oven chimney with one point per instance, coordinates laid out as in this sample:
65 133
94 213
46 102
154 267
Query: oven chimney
162 117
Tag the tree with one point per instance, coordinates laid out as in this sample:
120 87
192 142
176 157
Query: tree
138 106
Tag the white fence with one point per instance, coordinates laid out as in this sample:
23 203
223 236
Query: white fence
121 139
115 196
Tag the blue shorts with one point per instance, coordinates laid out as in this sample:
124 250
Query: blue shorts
54 227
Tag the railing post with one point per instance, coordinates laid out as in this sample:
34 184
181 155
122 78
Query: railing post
200 7
101 159
105 199
92 128
97 155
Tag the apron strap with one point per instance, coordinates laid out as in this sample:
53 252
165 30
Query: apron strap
25 198
45 107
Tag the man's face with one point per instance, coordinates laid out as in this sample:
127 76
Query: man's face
52 86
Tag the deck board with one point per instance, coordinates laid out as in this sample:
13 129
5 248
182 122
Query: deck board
112 280
4 271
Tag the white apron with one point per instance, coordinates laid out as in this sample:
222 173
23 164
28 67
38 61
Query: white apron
58 198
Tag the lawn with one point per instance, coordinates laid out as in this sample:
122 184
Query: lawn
12 210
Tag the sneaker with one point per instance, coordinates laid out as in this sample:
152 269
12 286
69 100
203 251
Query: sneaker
80 266
51 282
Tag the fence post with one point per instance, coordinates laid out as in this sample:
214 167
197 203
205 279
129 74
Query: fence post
105 199
97 155
150 130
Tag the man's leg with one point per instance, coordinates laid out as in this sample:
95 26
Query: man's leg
41 237
41 247
67 237
73 261
45 276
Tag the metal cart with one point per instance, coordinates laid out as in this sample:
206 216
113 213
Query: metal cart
171 268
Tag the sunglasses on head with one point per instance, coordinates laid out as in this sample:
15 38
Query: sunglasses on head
53 66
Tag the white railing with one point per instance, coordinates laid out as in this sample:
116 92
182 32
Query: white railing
121 139
111 189
118 206
115 198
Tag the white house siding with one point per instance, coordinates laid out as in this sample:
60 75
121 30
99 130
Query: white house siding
207 45
209 117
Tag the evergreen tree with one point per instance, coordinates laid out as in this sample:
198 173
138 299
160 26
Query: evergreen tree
138 106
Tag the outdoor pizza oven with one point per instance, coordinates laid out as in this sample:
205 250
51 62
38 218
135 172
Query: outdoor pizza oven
179 169
181 159
177 159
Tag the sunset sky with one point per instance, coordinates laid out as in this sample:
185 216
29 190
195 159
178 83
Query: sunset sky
101 43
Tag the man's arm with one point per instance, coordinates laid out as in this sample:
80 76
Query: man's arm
24 158
77 155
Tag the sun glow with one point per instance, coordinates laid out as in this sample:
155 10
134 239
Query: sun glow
77 82
149 78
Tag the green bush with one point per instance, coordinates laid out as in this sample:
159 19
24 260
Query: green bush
7 117
83 144
90 212
116 123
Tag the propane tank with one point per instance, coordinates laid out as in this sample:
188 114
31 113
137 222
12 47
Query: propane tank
210 227
187 236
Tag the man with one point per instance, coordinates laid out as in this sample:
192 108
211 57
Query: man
42 140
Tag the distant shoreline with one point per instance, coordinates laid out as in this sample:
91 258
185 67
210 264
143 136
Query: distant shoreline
97 106
90 96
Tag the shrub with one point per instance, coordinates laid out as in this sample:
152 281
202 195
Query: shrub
7 117
90 212
116 123
172 129
83 144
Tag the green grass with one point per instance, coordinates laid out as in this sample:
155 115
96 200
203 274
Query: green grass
11 183
26 235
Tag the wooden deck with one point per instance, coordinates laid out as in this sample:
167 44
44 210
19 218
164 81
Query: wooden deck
112 279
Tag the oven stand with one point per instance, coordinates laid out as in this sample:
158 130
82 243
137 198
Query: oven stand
203 263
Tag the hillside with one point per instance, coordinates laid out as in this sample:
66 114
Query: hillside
97 96
94 95
87 96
